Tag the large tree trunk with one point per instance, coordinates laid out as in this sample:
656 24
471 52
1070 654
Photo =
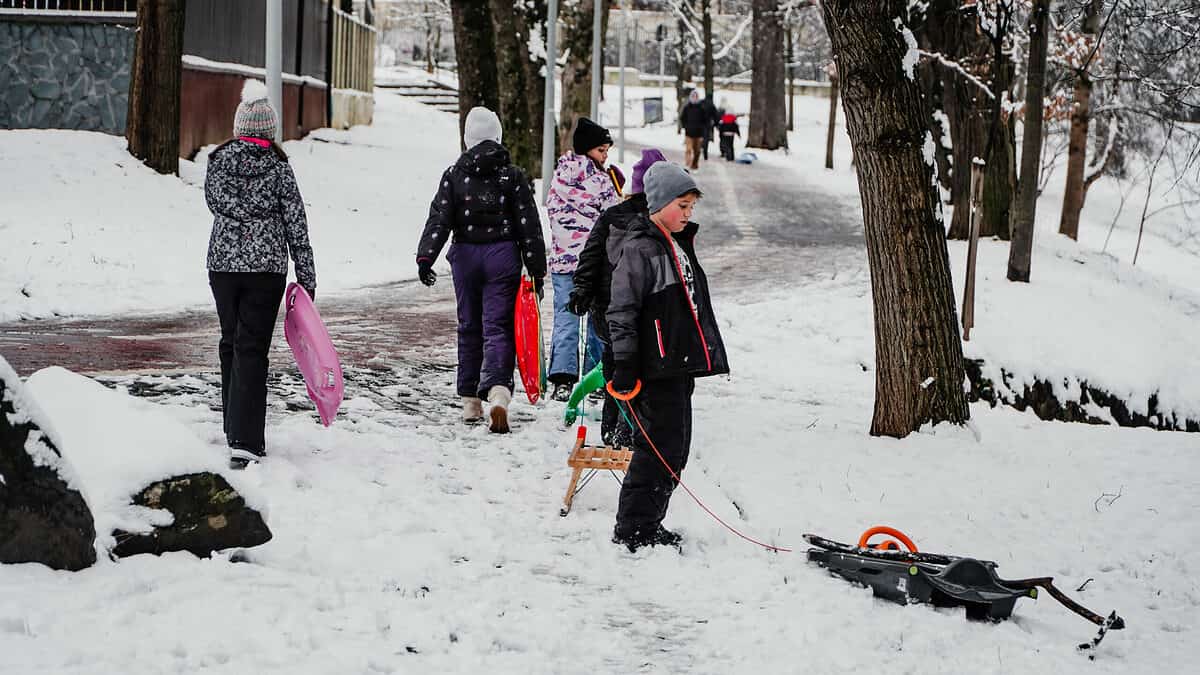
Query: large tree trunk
577 75
1000 181
474 47
918 356
152 129
768 107
522 92
706 27
1031 145
1077 149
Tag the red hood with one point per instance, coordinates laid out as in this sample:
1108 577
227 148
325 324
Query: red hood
728 118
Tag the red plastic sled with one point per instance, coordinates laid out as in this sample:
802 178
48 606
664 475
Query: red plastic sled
314 352
527 333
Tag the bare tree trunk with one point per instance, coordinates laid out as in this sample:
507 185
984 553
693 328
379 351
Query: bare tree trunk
791 77
1021 251
152 127
768 110
474 48
577 74
953 31
1077 149
706 27
918 355
1000 183
683 74
520 84
831 132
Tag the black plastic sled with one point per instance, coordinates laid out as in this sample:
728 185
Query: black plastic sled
941 580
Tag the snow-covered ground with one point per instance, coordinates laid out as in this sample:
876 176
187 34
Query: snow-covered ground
425 546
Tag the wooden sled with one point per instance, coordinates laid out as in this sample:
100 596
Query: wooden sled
594 457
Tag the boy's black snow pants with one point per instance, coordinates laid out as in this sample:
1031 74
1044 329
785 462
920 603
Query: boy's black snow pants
247 305
665 410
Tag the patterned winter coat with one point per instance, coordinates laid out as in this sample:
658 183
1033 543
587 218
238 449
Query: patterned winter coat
258 214
579 193
484 199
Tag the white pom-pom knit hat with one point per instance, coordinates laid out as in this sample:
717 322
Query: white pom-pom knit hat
255 117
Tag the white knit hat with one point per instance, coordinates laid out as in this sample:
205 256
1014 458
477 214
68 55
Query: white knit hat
482 125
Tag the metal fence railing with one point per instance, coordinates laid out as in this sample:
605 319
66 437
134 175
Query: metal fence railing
72 5
353 53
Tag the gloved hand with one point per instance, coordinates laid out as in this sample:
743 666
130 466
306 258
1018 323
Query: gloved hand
539 285
312 292
578 304
425 272
624 378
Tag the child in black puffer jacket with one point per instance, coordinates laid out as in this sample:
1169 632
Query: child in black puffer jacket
258 218
664 335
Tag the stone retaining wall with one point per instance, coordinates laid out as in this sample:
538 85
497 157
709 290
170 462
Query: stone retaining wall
65 75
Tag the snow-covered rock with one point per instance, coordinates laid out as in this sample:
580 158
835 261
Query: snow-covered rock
43 516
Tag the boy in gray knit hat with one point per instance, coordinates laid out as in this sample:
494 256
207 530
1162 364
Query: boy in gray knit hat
664 335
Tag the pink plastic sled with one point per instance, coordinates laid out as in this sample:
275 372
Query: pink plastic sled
314 352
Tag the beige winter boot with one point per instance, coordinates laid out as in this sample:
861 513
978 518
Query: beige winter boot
472 409
499 397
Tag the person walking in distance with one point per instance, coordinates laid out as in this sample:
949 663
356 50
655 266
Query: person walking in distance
485 207
258 219
696 122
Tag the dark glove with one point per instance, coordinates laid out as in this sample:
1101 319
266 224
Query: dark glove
312 292
624 378
425 272
539 285
578 304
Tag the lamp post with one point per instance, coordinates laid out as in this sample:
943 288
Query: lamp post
548 114
597 56
274 62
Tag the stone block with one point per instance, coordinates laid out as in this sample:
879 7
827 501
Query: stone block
46 90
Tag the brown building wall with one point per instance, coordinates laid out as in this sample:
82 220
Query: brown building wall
209 99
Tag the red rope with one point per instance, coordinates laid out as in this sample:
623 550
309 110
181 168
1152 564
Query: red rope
698 501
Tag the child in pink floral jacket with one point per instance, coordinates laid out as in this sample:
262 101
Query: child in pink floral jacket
580 191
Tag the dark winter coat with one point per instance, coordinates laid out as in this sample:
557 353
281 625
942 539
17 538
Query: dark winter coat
593 276
730 128
258 214
652 325
696 119
484 199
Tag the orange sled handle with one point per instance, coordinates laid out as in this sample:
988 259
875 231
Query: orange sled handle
637 389
888 544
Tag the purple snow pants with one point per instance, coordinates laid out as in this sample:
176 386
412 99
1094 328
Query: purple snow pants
486 278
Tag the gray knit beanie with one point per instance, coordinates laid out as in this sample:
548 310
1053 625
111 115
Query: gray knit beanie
664 182
255 116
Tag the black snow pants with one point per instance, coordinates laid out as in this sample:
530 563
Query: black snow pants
727 147
665 410
247 305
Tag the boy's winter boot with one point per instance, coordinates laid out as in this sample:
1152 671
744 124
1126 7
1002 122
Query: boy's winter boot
499 397
562 393
472 409
658 536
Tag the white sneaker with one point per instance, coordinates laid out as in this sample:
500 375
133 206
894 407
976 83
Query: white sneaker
499 397
472 409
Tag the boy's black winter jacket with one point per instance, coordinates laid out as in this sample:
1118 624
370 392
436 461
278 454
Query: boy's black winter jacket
258 214
484 199
593 276
652 325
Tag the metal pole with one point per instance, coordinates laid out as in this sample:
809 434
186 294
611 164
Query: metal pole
662 75
597 56
548 114
625 18
274 62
